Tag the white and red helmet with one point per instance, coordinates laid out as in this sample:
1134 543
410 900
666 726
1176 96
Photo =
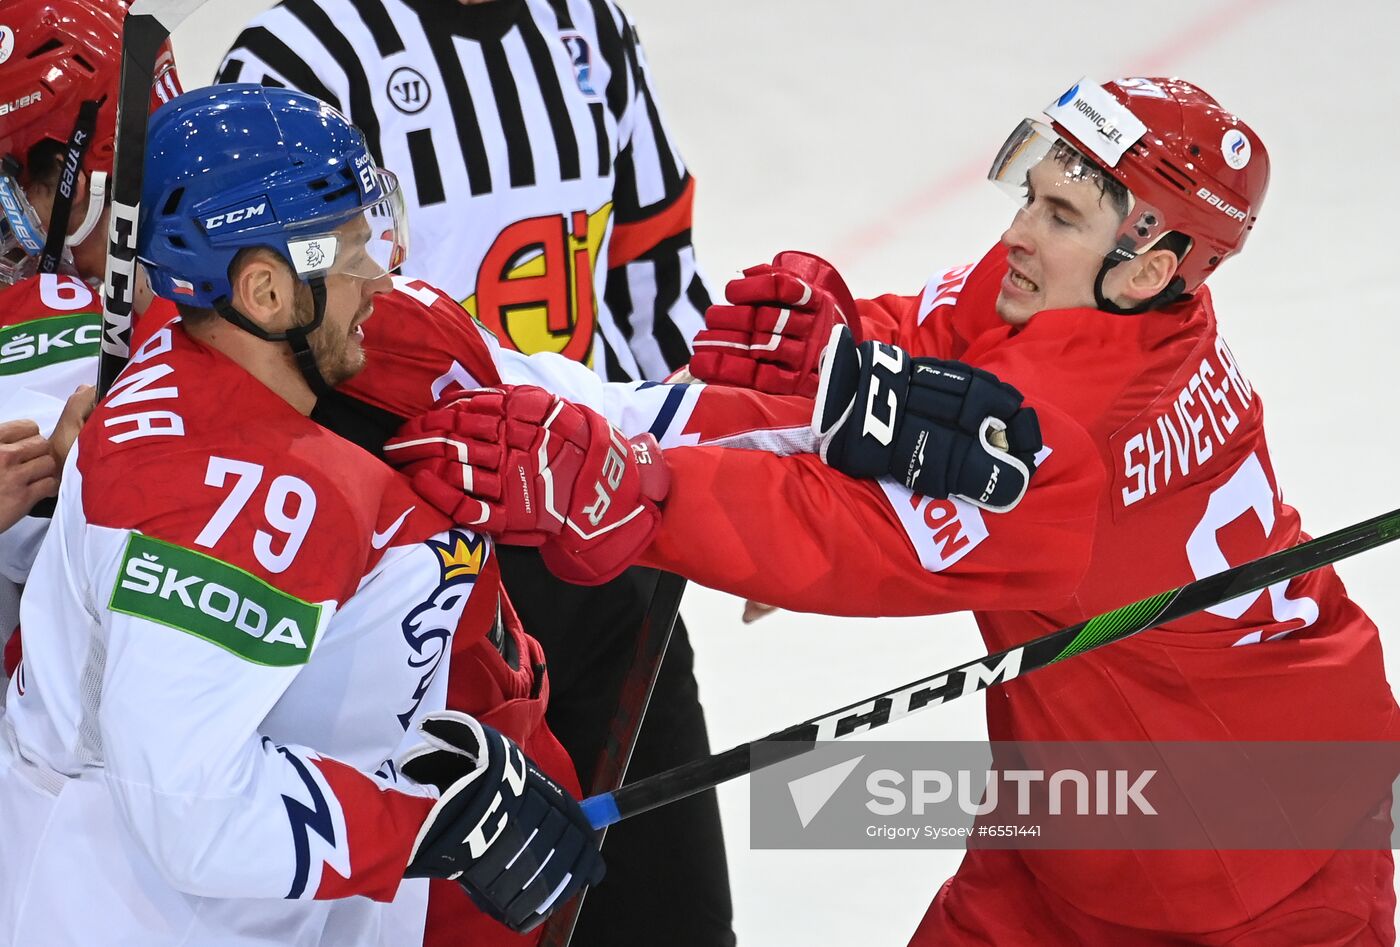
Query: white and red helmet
1189 166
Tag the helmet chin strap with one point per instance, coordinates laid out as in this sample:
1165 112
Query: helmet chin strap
97 199
295 337
1174 290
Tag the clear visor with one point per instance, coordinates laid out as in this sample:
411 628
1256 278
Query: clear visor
371 243
1070 197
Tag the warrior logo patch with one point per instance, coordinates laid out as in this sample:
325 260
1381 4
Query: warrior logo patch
409 91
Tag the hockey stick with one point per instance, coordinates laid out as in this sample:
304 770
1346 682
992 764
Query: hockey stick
148 25
698 775
657 625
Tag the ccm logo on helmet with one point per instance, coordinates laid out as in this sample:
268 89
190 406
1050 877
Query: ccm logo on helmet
1219 203
23 102
235 216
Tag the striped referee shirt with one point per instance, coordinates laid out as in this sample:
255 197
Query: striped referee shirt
544 192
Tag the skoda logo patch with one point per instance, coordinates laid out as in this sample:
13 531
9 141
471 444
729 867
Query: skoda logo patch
7 43
409 91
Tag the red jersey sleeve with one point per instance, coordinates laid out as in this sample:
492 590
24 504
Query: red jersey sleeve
794 533
932 323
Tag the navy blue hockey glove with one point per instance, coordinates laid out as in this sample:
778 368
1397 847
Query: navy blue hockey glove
515 840
941 428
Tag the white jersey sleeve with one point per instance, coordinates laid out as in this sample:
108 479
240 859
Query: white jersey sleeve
189 655
632 407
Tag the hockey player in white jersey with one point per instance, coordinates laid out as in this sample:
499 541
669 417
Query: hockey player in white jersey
56 138
241 621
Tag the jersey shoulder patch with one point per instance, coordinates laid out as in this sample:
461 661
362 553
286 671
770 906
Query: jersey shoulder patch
942 290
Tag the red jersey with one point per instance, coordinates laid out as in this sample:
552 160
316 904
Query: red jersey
1157 473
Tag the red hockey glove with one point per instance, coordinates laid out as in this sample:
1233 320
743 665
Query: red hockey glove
532 469
771 338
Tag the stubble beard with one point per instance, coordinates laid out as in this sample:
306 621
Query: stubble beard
339 355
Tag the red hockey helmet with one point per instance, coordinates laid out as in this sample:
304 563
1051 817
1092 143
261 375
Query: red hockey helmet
55 57
1189 166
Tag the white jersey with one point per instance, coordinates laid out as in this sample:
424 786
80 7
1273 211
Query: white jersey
232 629
545 194
49 330
235 623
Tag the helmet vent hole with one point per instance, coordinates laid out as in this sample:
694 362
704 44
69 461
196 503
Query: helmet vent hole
1214 260
48 47
172 203
1170 180
1195 151
1189 181
78 58
179 243
319 185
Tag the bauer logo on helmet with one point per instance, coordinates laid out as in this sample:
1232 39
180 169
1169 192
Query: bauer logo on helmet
23 102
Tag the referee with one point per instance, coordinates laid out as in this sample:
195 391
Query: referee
547 197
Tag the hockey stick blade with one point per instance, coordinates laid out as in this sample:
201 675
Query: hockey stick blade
998 668
147 26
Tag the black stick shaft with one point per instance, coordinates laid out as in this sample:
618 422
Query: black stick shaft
1160 609
142 36
147 26
611 769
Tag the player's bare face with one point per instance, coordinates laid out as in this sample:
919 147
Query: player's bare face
338 344
1055 245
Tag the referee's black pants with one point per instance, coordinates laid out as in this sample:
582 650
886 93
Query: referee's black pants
667 881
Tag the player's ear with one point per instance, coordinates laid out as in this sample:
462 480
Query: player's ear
1146 276
263 289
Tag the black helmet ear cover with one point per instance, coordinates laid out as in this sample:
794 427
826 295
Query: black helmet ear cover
1173 291
295 337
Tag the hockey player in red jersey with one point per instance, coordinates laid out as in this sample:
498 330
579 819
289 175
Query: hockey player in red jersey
56 140
1093 302
1154 471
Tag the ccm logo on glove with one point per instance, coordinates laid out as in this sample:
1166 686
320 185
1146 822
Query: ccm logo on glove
940 428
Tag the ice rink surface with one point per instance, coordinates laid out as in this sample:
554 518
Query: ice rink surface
861 131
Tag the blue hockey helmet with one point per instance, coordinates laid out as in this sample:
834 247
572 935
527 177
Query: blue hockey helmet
235 166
